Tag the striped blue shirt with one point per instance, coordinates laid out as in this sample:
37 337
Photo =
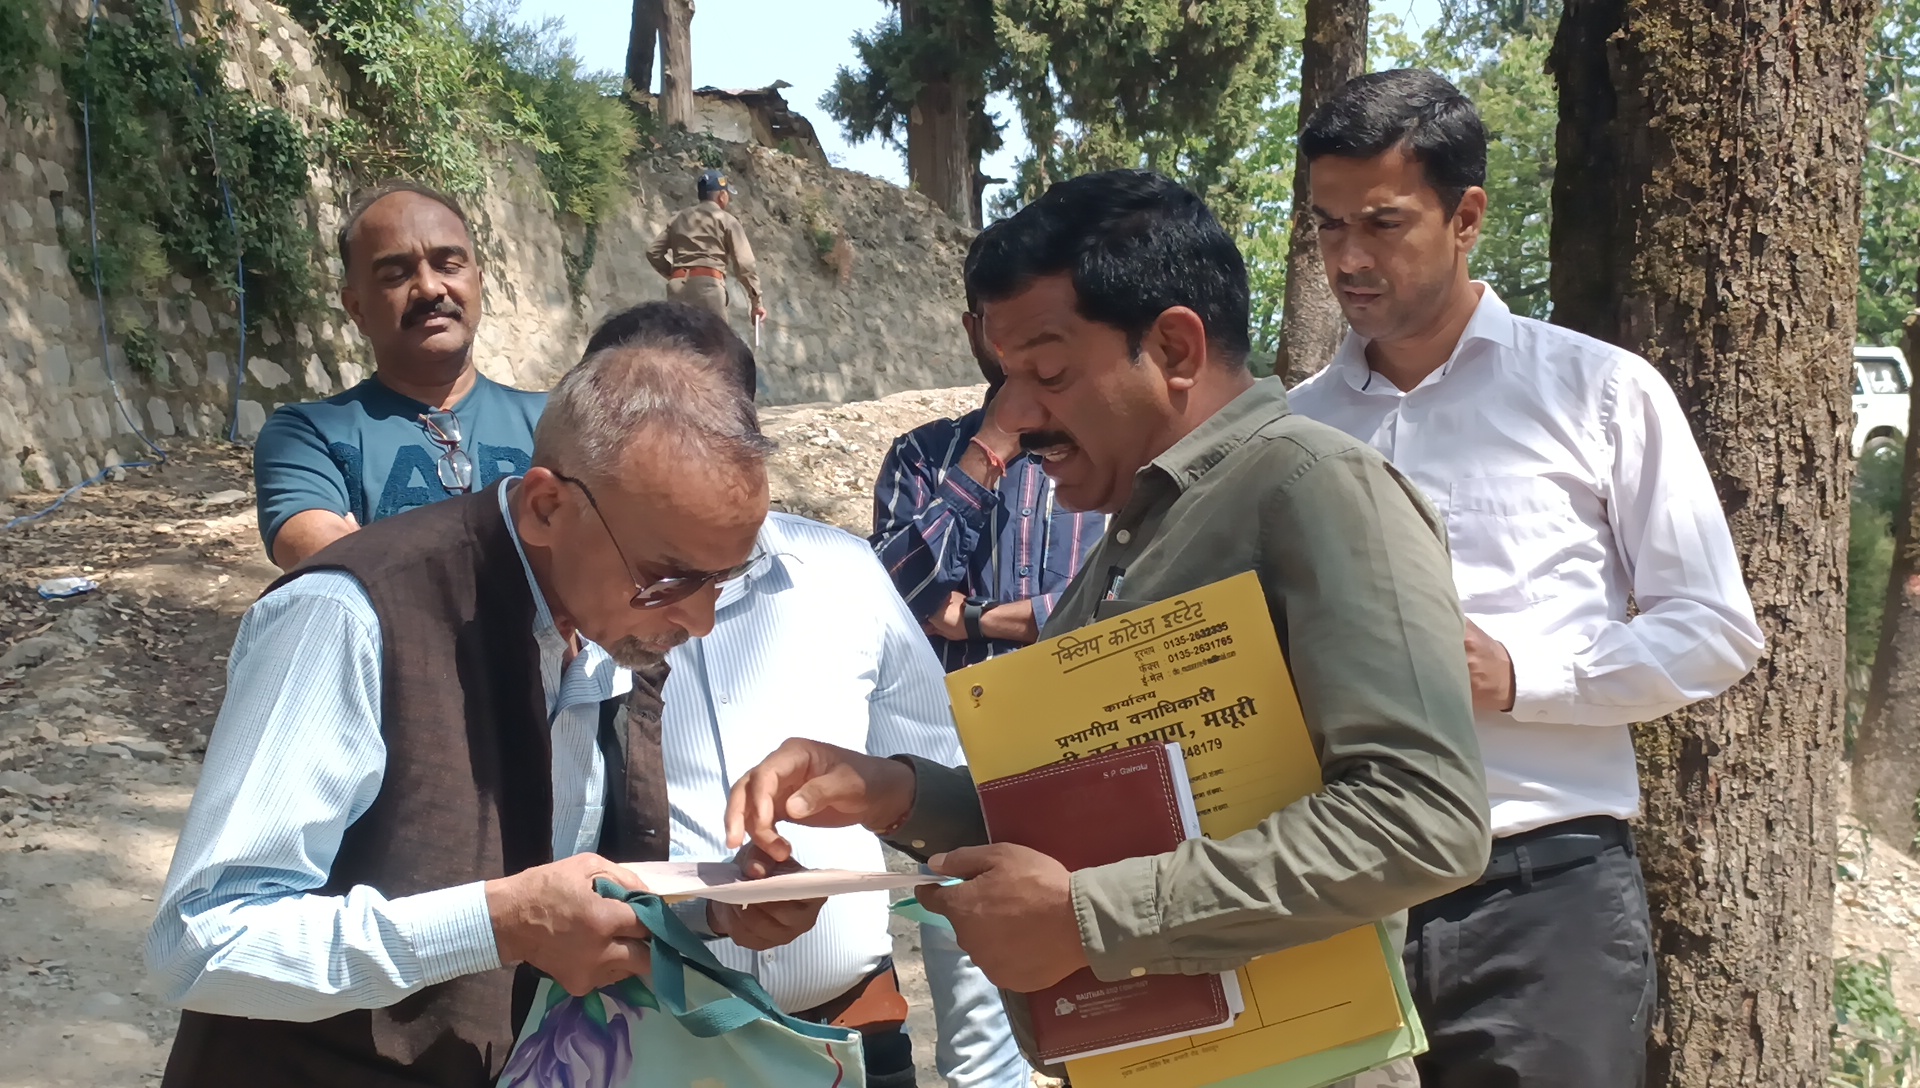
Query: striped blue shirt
939 532
816 644
295 758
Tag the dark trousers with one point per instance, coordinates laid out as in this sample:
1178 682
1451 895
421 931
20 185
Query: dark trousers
889 1055
875 1008
1542 978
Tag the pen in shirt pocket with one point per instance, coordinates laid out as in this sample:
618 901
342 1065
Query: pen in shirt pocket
1115 576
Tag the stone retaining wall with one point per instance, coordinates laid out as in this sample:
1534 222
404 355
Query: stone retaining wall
880 320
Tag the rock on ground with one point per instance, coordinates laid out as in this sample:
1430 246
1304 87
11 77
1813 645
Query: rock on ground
830 455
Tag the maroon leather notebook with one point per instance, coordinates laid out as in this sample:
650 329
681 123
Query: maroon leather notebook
1089 812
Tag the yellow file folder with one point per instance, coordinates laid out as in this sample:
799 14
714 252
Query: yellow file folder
1204 670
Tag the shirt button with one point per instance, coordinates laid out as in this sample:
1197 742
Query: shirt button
919 844
723 698
1026 511
1025 570
1123 536
1137 972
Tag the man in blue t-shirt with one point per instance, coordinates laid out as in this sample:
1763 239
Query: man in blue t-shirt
427 425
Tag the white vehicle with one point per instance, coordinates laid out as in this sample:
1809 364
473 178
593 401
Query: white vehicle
1880 383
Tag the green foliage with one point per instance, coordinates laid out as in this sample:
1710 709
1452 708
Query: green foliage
1874 1044
1890 224
1169 85
709 152
951 39
577 123
1496 52
158 192
24 46
1172 86
142 352
423 101
1267 229
438 85
821 228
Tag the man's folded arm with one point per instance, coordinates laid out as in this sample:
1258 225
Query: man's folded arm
303 499
1361 587
927 525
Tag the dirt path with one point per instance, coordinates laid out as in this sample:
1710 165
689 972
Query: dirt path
104 704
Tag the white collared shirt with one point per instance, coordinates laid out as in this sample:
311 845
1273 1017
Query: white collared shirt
816 644
1570 484
297 755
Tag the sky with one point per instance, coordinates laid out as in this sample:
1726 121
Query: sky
751 43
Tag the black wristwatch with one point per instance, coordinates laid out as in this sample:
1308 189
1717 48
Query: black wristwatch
970 614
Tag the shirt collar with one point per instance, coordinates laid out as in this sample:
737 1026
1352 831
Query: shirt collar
542 615
772 575
1223 432
1492 322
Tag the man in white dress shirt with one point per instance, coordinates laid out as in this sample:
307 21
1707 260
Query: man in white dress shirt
1571 486
813 642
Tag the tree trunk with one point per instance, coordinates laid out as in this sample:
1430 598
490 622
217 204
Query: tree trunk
1744 298
1886 750
940 162
643 41
676 64
1334 52
1581 248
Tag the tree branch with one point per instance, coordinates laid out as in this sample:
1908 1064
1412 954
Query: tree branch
1891 153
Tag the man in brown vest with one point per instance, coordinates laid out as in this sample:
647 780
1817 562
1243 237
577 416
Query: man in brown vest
440 730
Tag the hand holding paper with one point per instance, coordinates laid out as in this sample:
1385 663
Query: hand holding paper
819 785
1013 915
754 901
723 882
763 925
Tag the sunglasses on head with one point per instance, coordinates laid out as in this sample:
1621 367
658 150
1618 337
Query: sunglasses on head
672 589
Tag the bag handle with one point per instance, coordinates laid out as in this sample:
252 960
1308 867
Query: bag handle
676 948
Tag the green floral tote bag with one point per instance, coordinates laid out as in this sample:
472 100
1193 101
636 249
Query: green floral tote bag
698 1025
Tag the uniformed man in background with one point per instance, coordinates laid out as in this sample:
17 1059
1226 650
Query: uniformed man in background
694 251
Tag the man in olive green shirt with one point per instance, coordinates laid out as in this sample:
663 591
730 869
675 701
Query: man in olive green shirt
697 247
1118 307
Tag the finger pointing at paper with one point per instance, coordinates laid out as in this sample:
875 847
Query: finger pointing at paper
1013 914
818 785
760 926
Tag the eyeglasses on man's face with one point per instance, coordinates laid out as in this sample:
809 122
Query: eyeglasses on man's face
672 589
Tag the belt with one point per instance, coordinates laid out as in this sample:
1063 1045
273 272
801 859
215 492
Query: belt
683 273
874 1004
1556 846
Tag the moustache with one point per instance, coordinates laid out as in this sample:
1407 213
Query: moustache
1041 440
420 311
643 653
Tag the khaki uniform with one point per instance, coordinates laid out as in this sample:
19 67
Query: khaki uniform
705 236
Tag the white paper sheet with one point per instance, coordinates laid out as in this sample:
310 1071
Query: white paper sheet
722 882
